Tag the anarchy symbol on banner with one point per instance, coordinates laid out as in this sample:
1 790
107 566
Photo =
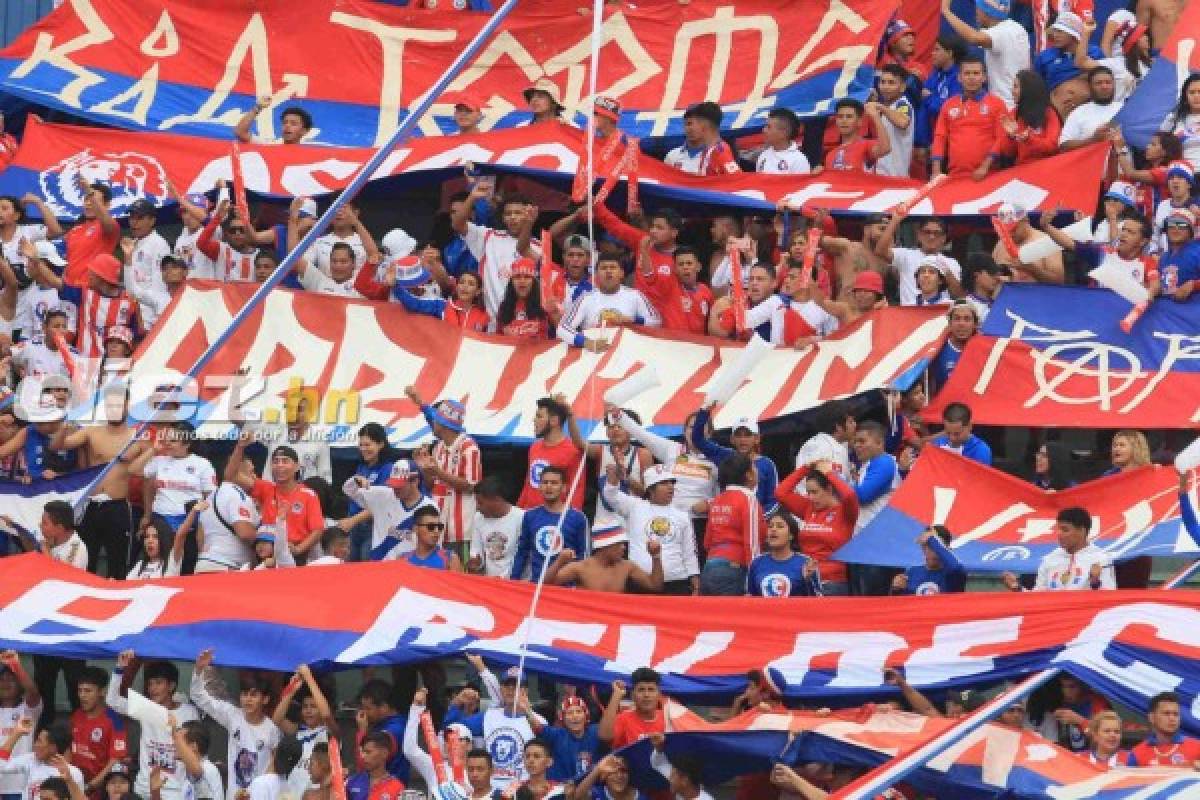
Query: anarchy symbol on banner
1115 370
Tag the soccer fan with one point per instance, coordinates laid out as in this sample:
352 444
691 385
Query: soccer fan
1183 121
941 85
703 152
156 741
1004 41
932 236
1031 129
272 784
427 552
1150 183
1129 255
497 250
828 513
144 251
1178 179
233 254
521 314
392 508
956 435
1120 201
544 105
1057 63
968 126
1093 121
620 728
462 311
495 530
1013 218
609 304
781 571
853 152
768 314
175 477
695 476
50 746
101 304
468 112
19 699
575 744
421 761
782 156
683 772
98 735
228 524
736 525
608 780
378 719
504 728
1104 732
835 427
1179 264
194 774
282 496
941 571
1129 56
900 46
680 298
252 734
852 258
878 474
542 535
656 520
1165 746
1076 563
375 781
295 124
452 466
963 319
865 294
629 460
95 236
537 759
897 117
607 569
553 447
317 722
1068 724
745 441
40 297
14 227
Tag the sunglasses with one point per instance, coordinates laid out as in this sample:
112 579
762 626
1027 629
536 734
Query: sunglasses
432 526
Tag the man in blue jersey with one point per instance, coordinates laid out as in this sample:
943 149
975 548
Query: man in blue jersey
941 573
428 527
542 536
956 435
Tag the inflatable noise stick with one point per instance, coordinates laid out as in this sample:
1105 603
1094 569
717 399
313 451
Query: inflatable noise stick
731 374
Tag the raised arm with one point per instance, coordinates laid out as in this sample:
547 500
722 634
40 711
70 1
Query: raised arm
608 719
887 239
51 223
242 129
462 214
651 582
411 746
971 35
10 659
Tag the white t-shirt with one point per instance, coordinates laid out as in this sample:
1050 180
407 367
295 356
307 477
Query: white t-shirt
392 536
11 248
671 527
1061 571
823 447
199 265
221 544
1086 119
309 738
906 260
316 281
143 273
14 782
32 772
595 307
898 160
207 787
156 745
269 787
250 745
791 161
1188 131
323 247
821 320
495 541
1008 55
179 481
32 304
36 360
495 251
73 551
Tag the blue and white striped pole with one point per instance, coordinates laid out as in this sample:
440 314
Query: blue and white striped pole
352 189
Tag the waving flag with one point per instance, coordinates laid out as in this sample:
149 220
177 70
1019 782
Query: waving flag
298 340
995 761
1128 645
1057 355
22 503
1004 523
138 165
1158 93
193 66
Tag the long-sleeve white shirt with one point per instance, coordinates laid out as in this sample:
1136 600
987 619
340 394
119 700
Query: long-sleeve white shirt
250 745
670 526
595 306
1062 571
695 475
156 746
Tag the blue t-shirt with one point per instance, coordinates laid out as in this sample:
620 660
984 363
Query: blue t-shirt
39 457
975 449
768 476
1058 66
1178 266
573 757
394 726
943 364
768 577
536 542
438 559
952 577
282 248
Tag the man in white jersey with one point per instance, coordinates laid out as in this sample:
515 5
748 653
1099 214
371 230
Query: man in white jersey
1076 563
392 509
50 746
156 744
193 210
896 114
346 229
252 733
496 250
233 258
656 520
1004 41
610 304
495 531
144 251
19 699
197 776
782 156
229 522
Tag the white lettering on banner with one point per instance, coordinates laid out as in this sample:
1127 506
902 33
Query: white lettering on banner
514 418
542 632
95 32
163 41
764 383
567 159
300 180
912 346
945 661
201 307
454 156
800 66
1174 624
133 610
392 39
255 171
437 621
1001 746
637 643
574 60
474 377
502 47
1176 351
1029 195
1171 785
851 351
280 333
396 366
862 656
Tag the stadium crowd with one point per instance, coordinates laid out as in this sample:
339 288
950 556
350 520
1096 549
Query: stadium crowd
638 513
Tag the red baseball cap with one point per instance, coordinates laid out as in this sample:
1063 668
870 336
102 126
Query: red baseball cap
870 281
106 267
466 100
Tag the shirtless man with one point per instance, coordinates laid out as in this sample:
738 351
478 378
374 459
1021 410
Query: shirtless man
851 258
607 569
107 522
1042 270
1160 16
865 295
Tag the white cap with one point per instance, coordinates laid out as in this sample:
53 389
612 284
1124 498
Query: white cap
396 243
608 535
747 423
308 208
1069 23
48 251
659 473
934 260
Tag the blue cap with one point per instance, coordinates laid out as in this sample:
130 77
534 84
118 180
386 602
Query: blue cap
996 9
451 414
266 533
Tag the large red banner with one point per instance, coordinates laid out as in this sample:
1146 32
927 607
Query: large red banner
360 355
196 65
138 165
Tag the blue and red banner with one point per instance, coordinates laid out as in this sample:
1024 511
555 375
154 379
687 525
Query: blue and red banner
194 66
23 502
1002 523
993 762
1127 645
1057 355
1157 95
138 165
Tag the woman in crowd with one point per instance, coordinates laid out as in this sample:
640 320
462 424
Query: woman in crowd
1130 450
376 457
1032 128
1184 121
827 515
1052 467
520 313
463 311
1104 731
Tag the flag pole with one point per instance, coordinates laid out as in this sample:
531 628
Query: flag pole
365 173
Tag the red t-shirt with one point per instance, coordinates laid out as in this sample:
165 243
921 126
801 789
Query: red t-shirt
851 156
681 309
303 508
84 242
542 455
629 727
1179 752
96 740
